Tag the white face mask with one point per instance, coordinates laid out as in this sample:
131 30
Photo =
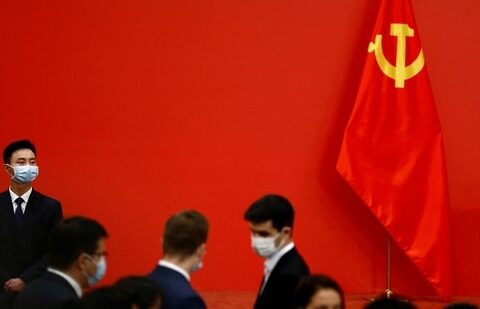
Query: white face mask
265 246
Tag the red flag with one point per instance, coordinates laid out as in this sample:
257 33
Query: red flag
392 152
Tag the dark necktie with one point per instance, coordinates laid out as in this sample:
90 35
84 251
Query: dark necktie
18 212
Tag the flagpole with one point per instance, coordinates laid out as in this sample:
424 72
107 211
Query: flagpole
388 291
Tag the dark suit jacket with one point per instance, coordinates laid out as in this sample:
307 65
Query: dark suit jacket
23 252
48 291
177 291
280 288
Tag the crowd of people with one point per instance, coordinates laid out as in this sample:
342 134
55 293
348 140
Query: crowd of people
48 262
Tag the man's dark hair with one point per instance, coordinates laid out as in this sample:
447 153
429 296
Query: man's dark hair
309 285
14 146
105 298
271 207
390 303
184 233
72 237
141 291
460 305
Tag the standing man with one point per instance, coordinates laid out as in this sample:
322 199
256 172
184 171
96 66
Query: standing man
76 254
271 224
26 219
184 241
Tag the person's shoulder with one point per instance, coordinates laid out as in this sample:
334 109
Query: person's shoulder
50 284
44 197
292 256
47 279
45 293
154 273
165 274
292 261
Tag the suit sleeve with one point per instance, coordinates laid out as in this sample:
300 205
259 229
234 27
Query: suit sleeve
39 267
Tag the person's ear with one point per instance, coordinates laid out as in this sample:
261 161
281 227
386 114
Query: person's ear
82 261
201 250
8 169
287 231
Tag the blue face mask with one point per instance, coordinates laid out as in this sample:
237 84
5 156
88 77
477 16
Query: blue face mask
100 273
24 173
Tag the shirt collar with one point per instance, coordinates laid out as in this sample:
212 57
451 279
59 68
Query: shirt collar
25 196
273 260
175 268
69 279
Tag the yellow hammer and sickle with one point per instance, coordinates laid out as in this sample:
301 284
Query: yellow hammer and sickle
399 72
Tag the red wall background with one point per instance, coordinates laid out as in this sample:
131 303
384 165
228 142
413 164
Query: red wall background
142 108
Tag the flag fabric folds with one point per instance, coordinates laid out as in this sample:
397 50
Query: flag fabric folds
392 153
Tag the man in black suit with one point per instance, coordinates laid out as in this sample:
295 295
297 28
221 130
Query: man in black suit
26 219
271 223
76 255
184 240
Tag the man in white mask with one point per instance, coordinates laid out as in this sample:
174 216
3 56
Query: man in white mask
271 223
26 219
184 240
77 261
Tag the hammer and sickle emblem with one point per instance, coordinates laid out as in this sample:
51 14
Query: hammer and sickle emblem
399 72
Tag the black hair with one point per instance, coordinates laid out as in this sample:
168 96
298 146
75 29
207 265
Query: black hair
14 146
460 305
105 298
390 303
72 237
141 291
271 207
309 285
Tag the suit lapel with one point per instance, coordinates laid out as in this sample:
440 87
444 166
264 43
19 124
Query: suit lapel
273 273
286 257
32 207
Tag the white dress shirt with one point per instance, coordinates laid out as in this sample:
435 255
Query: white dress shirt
25 196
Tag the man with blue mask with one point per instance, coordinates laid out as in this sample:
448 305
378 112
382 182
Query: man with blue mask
26 219
270 220
184 241
76 254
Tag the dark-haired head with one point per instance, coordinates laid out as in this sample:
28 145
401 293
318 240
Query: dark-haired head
17 145
141 291
319 291
106 298
72 237
461 305
271 207
390 303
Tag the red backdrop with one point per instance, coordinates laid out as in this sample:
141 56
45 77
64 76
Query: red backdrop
142 108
